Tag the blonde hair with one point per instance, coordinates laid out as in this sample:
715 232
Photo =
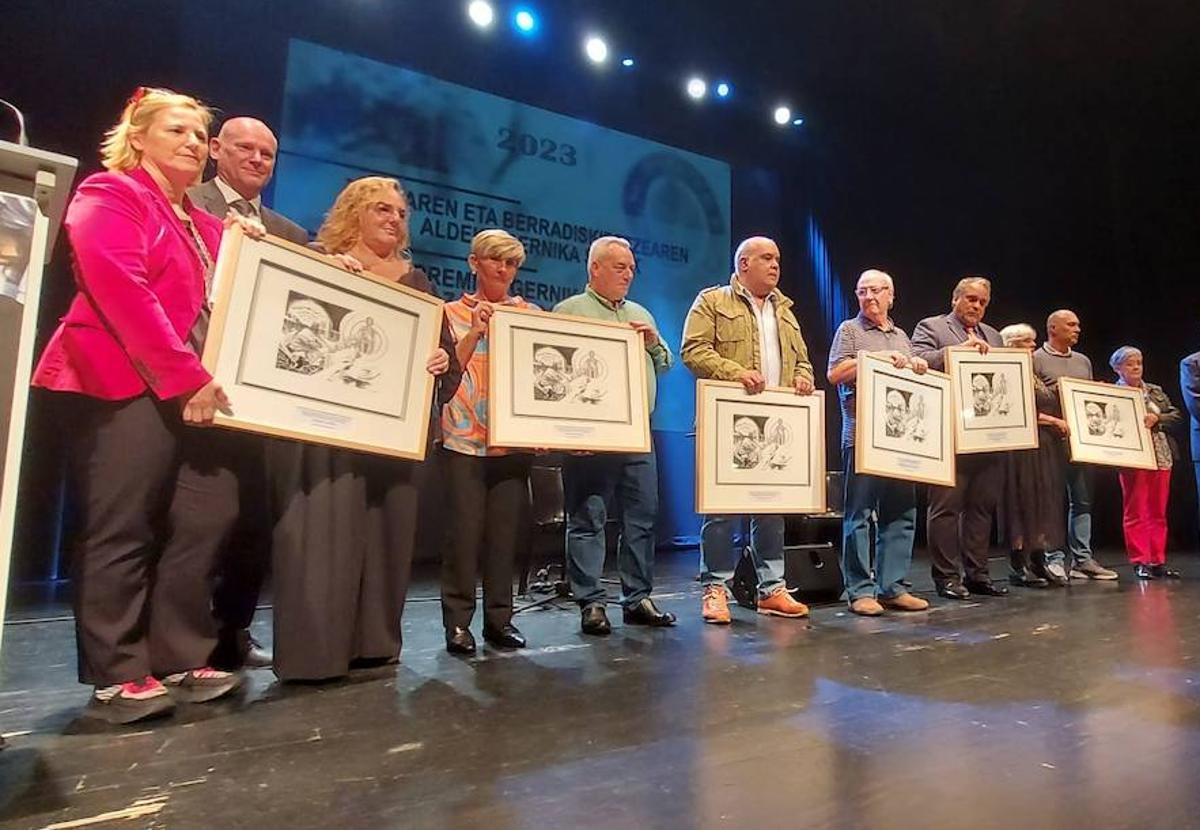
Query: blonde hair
494 242
343 224
117 152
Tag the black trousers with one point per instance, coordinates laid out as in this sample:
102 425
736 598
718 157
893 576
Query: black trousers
959 522
243 564
489 498
157 502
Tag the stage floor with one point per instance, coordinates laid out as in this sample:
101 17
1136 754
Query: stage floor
1072 708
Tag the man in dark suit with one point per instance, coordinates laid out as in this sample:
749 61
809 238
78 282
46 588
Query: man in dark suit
1189 384
244 152
959 522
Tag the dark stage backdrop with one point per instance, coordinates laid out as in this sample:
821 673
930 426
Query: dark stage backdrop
1050 145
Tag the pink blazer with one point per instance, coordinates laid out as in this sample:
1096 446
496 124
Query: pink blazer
140 289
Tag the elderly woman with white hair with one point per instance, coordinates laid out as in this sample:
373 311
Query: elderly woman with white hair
1145 492
1032 511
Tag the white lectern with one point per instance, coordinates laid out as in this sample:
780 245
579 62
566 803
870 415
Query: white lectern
45 178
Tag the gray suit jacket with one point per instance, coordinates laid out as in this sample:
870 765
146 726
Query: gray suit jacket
208 197
1189 384
933 334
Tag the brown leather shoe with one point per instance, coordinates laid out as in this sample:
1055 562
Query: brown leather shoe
904 602
779 603
715 606
866 607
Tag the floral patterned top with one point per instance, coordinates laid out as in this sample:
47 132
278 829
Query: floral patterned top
464 419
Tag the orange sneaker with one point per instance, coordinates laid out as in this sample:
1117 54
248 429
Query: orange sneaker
904 602
779 603
866 607
715 606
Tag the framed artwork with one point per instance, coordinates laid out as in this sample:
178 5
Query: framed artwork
904 426
1107 423
993 400
309 351
561 382
761 453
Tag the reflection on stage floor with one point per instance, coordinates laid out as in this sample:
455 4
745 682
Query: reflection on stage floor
1054 708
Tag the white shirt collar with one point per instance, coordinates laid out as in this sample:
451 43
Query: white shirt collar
1046 345
232 195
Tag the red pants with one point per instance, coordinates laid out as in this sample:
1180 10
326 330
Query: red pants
1145 495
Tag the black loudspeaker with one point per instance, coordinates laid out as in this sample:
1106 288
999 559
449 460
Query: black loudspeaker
744 582
814 571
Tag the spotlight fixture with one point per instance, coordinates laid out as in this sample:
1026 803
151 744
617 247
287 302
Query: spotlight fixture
696 88
796 122
782 115
481 13
628 62
723 89
525 21
595 48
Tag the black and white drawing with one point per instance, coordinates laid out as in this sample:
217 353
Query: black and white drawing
325 340
761 443
1103 419
568 374
989 394
904 415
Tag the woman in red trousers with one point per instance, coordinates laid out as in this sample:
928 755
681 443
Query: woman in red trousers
1145 492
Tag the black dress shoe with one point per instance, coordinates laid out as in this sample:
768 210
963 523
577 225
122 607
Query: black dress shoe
953 590
459 640
257 657
507 636
1143 572
1163 572
595 620
987 589
1026 578
644 612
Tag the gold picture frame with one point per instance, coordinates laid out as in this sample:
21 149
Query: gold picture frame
309 351
761 453
1107 424
993 402
562 382
904 423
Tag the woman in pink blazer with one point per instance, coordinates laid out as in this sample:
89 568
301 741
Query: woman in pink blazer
158 497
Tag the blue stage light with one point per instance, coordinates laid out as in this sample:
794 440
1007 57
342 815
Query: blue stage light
723 90
796 122
628 62
481 13
525 21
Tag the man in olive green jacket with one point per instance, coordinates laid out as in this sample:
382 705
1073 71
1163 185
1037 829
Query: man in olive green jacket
746 332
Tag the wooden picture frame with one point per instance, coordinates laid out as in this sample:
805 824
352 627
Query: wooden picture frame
561 382
761 453
309 351
904 423
993 401
1107 424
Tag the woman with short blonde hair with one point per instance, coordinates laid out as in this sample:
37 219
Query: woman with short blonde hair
488 486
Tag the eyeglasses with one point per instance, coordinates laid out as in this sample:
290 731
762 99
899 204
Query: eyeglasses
870 290
391 210
512 262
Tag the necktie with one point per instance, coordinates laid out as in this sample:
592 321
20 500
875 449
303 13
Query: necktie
244 207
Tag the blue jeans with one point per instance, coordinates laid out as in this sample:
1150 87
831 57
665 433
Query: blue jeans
591 483
1079 518
894 504
717 557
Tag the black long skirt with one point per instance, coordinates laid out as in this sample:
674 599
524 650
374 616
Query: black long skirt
1034 510
342 552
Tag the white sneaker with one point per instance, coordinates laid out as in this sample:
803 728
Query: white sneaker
1057 569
